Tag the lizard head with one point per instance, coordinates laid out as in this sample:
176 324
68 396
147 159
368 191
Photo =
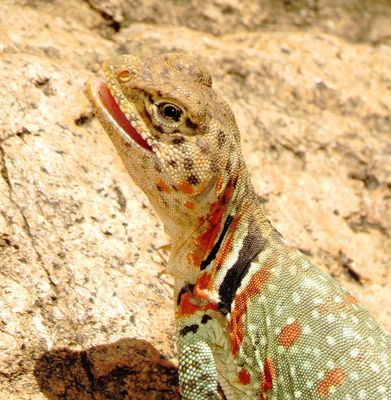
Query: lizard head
177 137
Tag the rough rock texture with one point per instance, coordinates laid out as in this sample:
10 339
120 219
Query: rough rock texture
85 306
126 369
357 20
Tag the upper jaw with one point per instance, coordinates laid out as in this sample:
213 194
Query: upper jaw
115 111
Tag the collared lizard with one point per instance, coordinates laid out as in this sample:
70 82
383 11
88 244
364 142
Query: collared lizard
254 316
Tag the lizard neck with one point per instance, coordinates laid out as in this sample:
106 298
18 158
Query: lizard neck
224 224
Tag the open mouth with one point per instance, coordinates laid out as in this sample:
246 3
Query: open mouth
112 107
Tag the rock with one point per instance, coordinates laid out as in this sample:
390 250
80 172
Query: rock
356 20
128 368
82 284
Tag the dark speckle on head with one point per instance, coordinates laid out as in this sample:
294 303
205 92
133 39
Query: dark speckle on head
188 163
179 140
214 166
172 163
221 138
190 124
192 179
158 128
158 168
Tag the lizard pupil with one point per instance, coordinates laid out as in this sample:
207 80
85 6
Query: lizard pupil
170 111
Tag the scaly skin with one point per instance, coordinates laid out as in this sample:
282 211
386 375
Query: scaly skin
254 315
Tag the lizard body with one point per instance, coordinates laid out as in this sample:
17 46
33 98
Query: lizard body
253 315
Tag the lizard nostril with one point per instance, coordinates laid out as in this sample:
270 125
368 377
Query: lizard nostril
124 75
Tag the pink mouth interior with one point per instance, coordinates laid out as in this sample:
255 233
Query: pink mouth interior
113 108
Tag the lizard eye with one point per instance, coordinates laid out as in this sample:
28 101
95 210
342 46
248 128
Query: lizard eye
170 111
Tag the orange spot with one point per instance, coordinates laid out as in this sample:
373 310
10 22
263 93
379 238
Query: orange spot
244 377
242 300
351 299
186 307
190 205
163 187
360 358
269 373
203 282
186 188
323 309
189 307
194 259
210 306
290 334
333 378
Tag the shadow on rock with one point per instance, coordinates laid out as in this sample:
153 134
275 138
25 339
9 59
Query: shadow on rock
127 369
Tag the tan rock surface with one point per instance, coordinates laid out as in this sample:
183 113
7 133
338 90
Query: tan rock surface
356 20
85 308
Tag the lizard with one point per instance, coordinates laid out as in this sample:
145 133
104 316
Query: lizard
256 319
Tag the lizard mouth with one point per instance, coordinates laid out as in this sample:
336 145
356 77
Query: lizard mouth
110 104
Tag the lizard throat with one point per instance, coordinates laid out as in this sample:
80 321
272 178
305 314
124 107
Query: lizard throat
112 107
